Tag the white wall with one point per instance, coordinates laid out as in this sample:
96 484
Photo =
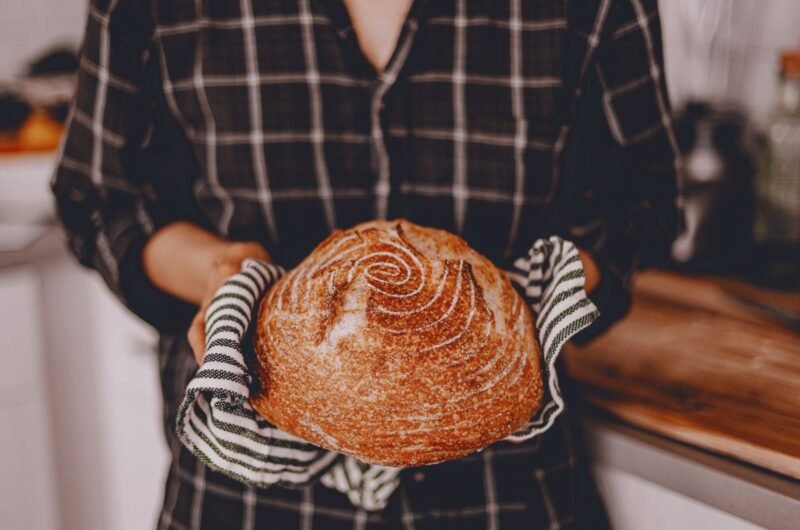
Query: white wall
728 50
30 27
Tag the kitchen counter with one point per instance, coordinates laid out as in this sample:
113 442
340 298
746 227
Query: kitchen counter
699 361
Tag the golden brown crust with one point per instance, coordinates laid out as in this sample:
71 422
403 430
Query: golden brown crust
398 345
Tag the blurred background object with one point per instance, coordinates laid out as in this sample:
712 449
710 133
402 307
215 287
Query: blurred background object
717 189
731 71
777 229
728 51
80 402
779 178
34 107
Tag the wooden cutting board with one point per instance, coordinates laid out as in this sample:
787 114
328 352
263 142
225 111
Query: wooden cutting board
694 363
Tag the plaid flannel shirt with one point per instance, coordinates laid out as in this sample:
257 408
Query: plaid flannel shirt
503 121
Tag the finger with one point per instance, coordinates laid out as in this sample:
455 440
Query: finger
224 272
196 336
251 250
219 274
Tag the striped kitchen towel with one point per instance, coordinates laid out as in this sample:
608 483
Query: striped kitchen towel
216 422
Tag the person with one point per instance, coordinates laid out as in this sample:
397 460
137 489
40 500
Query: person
203 133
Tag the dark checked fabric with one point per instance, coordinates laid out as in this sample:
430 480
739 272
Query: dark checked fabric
502 120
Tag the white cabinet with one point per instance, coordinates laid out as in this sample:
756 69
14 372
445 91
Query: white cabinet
649 482
131 412
106 402
637 504
26 458
81 441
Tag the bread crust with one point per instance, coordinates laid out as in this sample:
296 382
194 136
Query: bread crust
398 345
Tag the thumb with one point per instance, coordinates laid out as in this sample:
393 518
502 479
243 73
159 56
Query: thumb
197 335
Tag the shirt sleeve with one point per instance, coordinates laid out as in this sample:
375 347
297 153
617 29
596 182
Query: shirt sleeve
108 212
627 214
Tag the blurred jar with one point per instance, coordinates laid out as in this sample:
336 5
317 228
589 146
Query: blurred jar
778 182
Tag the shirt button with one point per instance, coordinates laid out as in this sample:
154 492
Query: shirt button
419 476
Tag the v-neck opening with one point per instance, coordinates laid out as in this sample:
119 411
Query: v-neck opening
343 23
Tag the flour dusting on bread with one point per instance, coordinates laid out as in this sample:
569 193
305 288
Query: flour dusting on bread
399 345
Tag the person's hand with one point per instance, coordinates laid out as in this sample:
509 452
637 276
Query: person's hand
592 273
227 263
590 270
190 263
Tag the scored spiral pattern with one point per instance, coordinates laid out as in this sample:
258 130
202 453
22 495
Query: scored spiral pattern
399 345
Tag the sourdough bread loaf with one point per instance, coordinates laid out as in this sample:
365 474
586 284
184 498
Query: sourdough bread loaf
398 345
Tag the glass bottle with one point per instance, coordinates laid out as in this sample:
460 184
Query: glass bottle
778 183
777 221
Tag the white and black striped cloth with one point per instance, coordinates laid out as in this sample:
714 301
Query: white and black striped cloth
217 423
